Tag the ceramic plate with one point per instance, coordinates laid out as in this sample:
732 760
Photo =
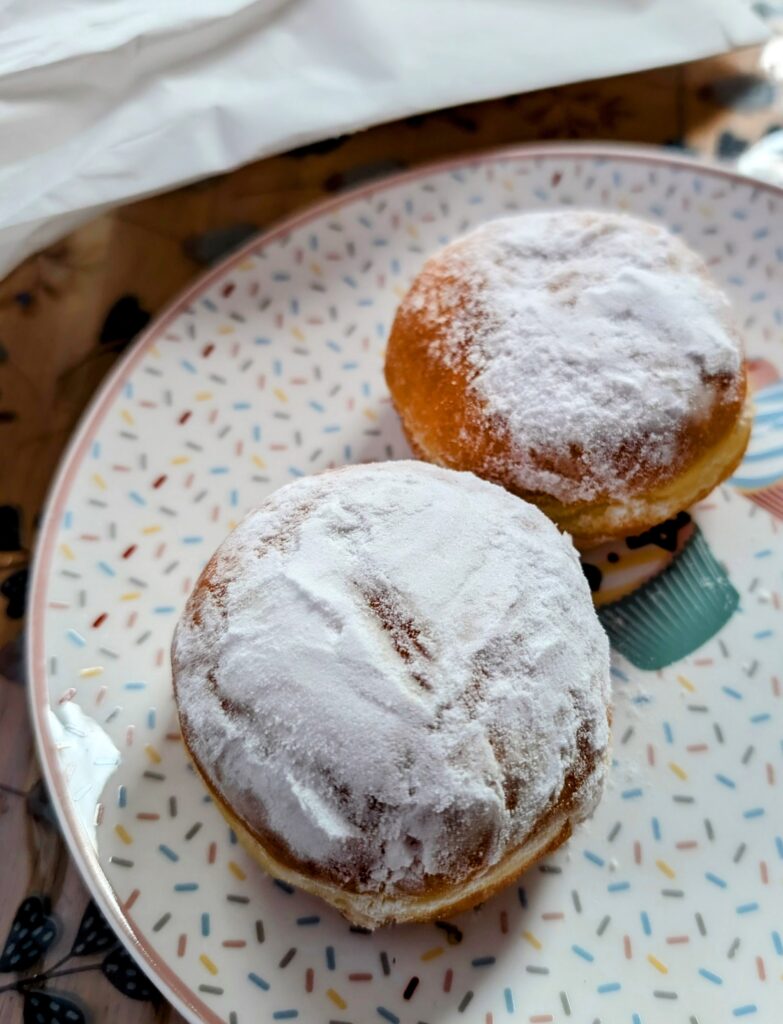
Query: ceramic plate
667 905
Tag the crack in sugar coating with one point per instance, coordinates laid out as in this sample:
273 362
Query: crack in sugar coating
419 675
596 344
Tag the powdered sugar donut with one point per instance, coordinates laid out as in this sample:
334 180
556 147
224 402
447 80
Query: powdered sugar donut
392 679
584 360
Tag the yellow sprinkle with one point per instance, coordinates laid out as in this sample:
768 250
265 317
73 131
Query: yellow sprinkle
226 329
337 999
180 460
132 595
258 461
686 683
246 265
707 212
279 393
664 867
431 954
154 351
371 414
95 670
208 963
152 754
297 334
316 268
623 203
532 940
236 871
679 772
413 231
399 292
203 396
151 529
657 964
123 834
127 417
508 184
232 524
98 479
68 552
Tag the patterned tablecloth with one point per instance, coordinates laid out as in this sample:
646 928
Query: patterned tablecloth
67 314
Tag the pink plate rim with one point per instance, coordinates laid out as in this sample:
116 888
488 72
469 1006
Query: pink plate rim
168 981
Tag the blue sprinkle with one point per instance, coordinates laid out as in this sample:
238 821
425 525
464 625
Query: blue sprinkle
257 980
256 432
209 304
233 497
205 925
187 365
330 963
636 1019
631 794
779 845
715 880
311 919
656 828
350 366
347 452
641 700
333 429
134 685
277 367
68 521
583 953
594 858
168 852
726 781
317 406
483 961
95 451
747 908
754 812
76 638
763 634
395 266
239 406
475 200
281 275
333 346
186 887
349 281
219 470
618 674
105 567
380 330
295 471
763 554
314 243
763 717
366 389
646 927
714 978
122 796
192 540
151 718
135 496
611 986
667 732
164 609
284 886
509 997
285 1014
777 942
232 837
128 389
295 306
366 302
541 194
618 886
732 693
263 341
387 1015
745 1011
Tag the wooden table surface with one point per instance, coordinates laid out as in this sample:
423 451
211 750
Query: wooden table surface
66 315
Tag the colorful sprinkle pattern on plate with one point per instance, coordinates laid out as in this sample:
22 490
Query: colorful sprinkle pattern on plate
666 906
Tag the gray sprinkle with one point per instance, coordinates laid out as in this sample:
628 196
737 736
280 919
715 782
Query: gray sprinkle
603 925
282 415
615 830
676 893
566 1004
550 869
199 497
136 581
161 922
627 734
718 732
128 436
155 776
385 963
222 433
217 378
723 648
82 598
537 970
213 990
733 948
316 454
144 636
170 568
679 799
143 460
659 994
193 830
96 503
465 1002
166 510
121 862
701 925
260 936
697 707
232 898
709 829
739 852
748 754
751 671
288 957
108 653
71 574
576 901
193 446
172 807
753 584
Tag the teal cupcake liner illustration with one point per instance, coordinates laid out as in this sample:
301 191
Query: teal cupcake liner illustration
685 600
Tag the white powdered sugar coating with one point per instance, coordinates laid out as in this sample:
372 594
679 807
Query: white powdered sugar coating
393 670
587 335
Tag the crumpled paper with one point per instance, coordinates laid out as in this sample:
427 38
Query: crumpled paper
104 101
